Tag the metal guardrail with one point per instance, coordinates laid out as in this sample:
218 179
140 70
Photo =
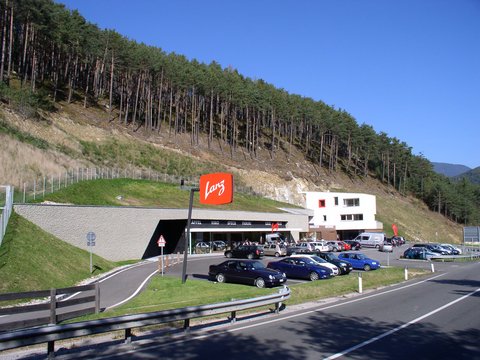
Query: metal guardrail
54 310
50 334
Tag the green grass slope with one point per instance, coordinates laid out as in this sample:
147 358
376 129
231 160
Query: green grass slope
147 193
31 259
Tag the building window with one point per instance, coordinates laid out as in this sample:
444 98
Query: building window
358 217
324 217
336 200
351 202
321 203
350 217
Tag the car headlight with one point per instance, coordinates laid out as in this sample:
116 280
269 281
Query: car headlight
284 275
343 264
271 277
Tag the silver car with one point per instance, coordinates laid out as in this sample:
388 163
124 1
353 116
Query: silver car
275 250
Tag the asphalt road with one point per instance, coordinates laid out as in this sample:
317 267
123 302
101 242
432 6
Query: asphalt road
437 318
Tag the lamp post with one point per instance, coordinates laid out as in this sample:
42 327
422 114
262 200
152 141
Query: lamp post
187 237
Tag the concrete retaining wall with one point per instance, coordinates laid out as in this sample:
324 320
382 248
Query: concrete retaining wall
123 233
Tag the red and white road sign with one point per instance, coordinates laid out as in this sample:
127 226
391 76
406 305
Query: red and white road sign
161 241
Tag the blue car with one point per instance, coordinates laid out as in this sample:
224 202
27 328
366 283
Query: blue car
300 267
359 261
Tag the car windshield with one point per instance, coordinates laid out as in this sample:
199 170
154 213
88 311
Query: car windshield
255 265
331 256
318 259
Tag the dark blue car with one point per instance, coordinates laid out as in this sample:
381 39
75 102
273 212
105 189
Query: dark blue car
360 261
249 272
300 267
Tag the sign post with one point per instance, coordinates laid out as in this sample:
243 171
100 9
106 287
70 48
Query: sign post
91 242
161 244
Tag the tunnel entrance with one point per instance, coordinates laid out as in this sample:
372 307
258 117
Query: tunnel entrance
173 232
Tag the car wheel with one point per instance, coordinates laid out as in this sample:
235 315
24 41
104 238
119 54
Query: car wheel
260 283
366 267
277 254
250 256
377 246
314 276
228 254
220 278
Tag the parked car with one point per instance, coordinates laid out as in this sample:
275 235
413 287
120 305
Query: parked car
360 261
320 262
219 245
336 246
302 247
301 267
354 245
400 240
275 250
321 246
421 253
433 248
251 272
344 266
455 250
386 247
202 246
246 251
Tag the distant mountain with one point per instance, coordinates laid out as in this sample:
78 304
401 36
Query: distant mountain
472 175
450 170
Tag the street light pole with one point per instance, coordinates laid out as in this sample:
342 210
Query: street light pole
187 237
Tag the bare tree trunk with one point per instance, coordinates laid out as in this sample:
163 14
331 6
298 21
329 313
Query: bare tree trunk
2 62
111 84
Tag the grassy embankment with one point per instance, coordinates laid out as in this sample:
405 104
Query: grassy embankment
31 259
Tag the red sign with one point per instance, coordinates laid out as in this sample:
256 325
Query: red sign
274 227
161 241
216 188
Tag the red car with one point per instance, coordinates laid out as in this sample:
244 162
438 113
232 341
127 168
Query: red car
345 246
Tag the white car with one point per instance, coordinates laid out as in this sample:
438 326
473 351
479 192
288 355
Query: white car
320 261
321 246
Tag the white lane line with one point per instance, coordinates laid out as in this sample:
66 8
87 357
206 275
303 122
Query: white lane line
356 347
331 306
135 293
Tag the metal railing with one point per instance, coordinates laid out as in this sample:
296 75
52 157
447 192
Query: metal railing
50 334
50 311
40 187
6 210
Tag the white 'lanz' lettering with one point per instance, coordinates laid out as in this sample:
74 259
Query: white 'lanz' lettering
220 186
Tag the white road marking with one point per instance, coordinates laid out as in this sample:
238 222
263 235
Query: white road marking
356 347
135 293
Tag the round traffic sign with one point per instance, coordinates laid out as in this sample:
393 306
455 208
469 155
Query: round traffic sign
91 236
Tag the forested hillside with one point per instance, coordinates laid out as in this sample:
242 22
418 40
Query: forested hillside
50 54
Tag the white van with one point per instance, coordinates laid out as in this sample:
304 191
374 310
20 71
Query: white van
370 239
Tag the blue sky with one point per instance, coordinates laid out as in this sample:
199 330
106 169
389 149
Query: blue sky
408 68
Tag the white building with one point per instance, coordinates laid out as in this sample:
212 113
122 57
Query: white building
342 214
